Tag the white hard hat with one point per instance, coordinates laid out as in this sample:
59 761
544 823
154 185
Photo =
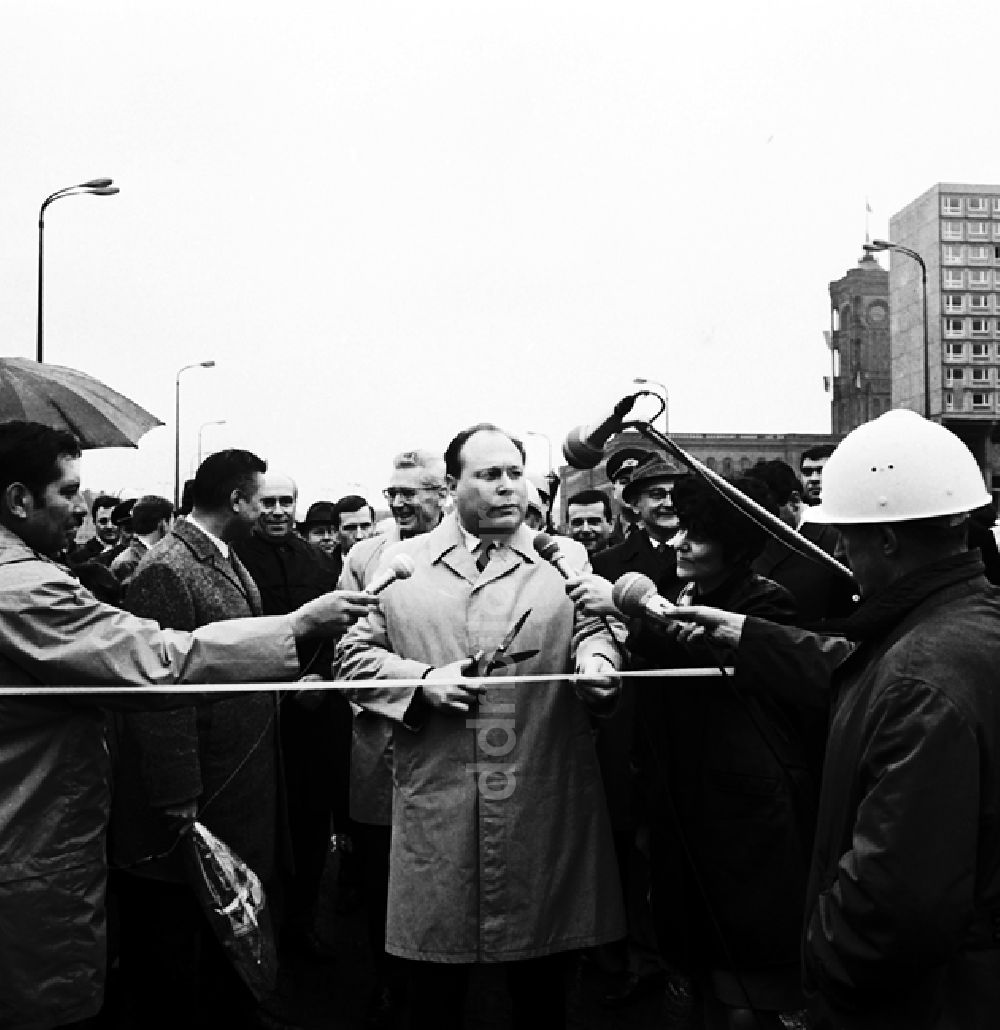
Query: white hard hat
899 467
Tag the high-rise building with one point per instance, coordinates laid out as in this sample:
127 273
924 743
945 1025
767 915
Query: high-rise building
859 346
955 228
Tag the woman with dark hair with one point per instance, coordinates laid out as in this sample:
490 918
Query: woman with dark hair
733 778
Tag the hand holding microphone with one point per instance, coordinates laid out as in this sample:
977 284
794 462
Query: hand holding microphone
401 567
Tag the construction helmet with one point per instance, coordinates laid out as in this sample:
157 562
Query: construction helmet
899 467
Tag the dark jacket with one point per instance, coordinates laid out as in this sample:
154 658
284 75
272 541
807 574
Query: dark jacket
903 908
735 774
819 592
223 753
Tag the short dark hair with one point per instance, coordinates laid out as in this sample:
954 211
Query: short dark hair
350 504
780 477
453 452
223 472
704 513
591 497
149 511
30 453
817 453
103 501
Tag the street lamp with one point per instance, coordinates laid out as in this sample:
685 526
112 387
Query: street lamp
666 400
177 427
203 427
96 187
877 245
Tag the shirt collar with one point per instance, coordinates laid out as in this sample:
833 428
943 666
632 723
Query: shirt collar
222 547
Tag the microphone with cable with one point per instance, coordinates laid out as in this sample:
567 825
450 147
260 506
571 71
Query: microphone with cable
636 595
548 549
584 446
401 567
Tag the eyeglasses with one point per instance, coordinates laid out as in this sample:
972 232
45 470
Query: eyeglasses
406 494
657 494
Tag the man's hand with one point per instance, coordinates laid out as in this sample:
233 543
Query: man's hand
601 680
592 595
331 614
454 696
699 624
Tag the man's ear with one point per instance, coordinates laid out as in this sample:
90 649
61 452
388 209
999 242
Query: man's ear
235 497
451 483
890 541
18 501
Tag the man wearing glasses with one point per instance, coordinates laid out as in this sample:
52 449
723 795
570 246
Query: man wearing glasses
417 496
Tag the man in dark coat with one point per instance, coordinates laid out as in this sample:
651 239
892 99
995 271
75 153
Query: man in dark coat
903 900
288 572
216 762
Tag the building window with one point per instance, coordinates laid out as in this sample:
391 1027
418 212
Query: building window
977 206
981 400
980 376
952 231
980 326
979 302
977 230
954 375
949 401
981 350
953 278
979 255
951 253
954 351
953 302
979 279
954 326
951 206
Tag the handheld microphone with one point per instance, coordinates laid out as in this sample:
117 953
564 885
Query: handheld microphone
548 549
401 567
583 447
635 595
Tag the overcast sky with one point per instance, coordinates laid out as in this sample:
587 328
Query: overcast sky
385 221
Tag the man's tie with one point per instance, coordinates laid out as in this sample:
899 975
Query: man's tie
486 549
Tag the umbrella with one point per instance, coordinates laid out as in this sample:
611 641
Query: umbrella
67 399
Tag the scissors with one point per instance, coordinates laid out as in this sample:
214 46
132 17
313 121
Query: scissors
487 662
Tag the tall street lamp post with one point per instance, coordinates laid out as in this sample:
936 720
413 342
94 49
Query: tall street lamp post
177 427
96 187
666 400
878 245
203 427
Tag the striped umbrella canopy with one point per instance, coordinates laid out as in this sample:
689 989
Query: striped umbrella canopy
67 399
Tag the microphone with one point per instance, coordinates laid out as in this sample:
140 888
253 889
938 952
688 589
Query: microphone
635 595
583 447
548 549
401 567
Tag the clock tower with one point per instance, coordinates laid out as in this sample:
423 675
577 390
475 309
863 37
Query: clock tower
859 346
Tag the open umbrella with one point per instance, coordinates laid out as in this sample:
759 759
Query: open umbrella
67 399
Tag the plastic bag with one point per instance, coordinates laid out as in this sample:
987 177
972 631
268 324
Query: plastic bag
233 899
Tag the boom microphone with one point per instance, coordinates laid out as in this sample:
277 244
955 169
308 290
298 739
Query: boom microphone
548 549
635 595
401 567
583 447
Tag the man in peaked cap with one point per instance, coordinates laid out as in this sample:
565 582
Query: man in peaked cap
619 469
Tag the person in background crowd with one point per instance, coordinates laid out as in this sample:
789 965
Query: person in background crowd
320 528
536 511
53 756
355 521
818 591
904 890
811 466
105 531
619 468
466 840
416 495
289 571
151 519
121 519
588 518
217 762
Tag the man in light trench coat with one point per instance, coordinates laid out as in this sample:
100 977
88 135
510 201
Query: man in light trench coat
501 845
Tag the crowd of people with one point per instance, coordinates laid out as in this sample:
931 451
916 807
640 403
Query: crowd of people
769 796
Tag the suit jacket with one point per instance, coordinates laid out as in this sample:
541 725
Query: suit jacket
818 591
501 848
223 753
